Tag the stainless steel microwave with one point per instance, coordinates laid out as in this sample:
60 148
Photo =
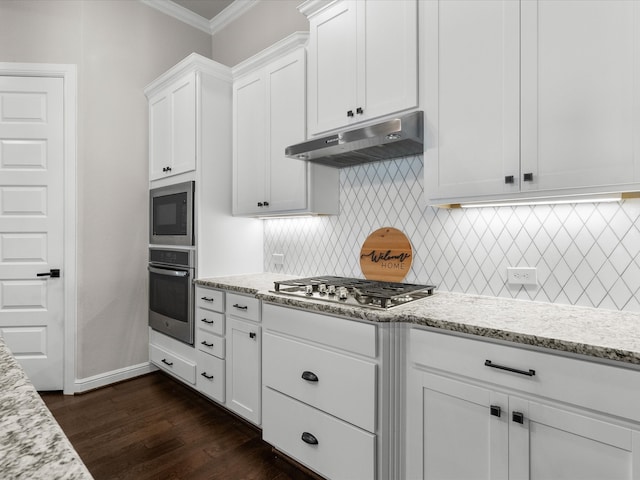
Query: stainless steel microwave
171 215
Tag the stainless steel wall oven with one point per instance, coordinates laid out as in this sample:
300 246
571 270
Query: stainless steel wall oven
171 292
171 215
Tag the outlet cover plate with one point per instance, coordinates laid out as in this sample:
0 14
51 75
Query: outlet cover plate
522 276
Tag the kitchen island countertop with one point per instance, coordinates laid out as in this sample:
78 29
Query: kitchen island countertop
597 333
32 444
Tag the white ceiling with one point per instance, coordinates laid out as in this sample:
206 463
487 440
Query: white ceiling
207 9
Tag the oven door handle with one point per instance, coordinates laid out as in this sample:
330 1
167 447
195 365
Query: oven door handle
169 272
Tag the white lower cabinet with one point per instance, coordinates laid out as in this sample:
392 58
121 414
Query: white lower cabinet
510 422
244 368
172 356
326 444
210 380
320 391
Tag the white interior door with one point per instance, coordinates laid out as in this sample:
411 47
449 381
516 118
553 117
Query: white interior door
31 225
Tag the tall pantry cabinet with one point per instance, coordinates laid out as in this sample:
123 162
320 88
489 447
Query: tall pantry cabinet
530 98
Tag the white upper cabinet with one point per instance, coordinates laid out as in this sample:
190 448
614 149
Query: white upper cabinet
269 115
172 128
580 93
362 62
528 99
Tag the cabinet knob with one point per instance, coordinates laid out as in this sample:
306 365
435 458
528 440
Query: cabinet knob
496 411
252 335
359 111
166 169
518 417
528 177
260 204
309 438
266 204
509 179
349 113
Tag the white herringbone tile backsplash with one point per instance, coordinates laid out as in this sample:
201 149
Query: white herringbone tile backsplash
586 254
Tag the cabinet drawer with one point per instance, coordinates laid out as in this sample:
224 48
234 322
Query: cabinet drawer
343 386
211 379
208 321
243 306
210 299
337 332
605 388
342 450
172 363
210 343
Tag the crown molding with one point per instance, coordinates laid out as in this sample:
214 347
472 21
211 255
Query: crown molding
224 18
284 46
180 13
229 14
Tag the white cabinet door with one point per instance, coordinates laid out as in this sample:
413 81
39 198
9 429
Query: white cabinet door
580 93
287 178
471 67
362 62
243 377
563 445
332 67
249 144
172 129
464 428
387 65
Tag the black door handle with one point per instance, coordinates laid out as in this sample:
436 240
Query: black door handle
53 273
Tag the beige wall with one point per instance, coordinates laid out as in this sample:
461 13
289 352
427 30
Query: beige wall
263 25
119 46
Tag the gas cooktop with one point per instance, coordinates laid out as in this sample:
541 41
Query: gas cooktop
354 291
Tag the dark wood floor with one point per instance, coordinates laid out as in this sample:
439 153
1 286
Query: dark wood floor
152 427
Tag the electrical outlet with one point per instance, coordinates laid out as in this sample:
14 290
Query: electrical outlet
278 258
522 276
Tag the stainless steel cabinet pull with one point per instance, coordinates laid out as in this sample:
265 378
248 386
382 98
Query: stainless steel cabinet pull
208 377
164 360
204 342
309 438
210 322
529 373
240 307
207 299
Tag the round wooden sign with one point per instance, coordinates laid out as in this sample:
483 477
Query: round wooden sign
386 255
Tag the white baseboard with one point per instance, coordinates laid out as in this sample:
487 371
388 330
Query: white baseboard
102 380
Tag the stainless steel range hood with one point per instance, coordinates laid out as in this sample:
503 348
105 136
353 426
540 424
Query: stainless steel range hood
398 137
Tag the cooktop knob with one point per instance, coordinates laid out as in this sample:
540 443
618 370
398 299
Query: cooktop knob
331 289
308 289
322 289
343 293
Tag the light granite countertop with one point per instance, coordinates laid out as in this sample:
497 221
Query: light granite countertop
597 333
32 444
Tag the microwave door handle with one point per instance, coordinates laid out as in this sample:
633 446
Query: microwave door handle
170 273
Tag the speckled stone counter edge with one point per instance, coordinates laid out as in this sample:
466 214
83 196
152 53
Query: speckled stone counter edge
596 333
32 444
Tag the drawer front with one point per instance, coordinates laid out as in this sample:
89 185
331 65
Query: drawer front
210 299
209 321
211 376
605 388
243 307
173 364
342 450
343 386
349 335
210 343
